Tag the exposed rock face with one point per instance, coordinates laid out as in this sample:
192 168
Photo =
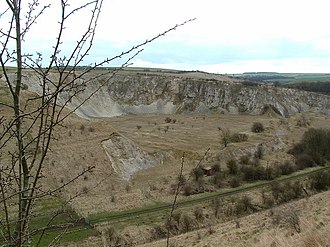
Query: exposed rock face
125 94
126 156
159 94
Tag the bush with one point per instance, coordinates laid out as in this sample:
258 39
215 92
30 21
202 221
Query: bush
287 218
168 120
257 127
239 137
286 192
303 121
225 136
251 173
232 167
159 232
216 205
321 181
197 172
235 182
216 167
271 173
176 216
187 189
315 143
260 151
287 168
187 223
217 179
244 160
304 160
244 204
199 214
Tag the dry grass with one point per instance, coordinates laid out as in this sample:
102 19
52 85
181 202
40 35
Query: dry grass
258 230
78 147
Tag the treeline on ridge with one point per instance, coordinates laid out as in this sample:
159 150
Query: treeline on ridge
318 87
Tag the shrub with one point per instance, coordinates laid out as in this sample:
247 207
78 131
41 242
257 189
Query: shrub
286 192
171 226
287 218
216 167
251 173
199 214
217 179
201 185
113 238
82 128
187 189
316 143
176 216
286 168
238 137
128 188
244 160
232 167
257 127
181 179
159 232
304 160
244 204
235 182
303 121
168 120
271 173
321 181
225 136
24 86
260 151
187 223
216 205
297 149
197 172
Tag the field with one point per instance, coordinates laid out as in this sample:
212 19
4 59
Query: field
196 136
284 78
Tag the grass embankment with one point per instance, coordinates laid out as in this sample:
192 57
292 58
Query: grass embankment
66 225
56 223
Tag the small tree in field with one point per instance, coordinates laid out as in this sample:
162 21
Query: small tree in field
27 128
225 136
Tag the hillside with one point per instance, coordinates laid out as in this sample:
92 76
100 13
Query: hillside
136 129
167 93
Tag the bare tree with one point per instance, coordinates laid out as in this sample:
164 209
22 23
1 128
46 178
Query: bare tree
29 121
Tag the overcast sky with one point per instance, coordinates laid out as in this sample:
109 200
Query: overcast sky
227 37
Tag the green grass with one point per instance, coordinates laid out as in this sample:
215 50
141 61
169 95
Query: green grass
72 234
44 210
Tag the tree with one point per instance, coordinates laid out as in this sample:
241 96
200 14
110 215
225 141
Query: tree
225 136
29 121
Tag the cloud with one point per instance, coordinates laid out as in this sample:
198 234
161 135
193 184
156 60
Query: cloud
225 33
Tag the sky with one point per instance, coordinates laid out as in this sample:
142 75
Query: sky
233 36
